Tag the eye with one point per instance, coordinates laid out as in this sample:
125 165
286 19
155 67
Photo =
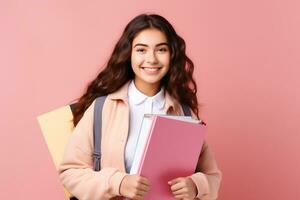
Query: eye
140 50
163 49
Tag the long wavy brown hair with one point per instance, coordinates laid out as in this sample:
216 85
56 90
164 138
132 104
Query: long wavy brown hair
178 82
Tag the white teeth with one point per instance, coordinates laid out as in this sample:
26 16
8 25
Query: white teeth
151 69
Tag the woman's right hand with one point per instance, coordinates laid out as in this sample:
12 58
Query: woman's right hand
134 187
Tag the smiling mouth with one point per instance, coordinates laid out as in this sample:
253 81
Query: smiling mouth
151 69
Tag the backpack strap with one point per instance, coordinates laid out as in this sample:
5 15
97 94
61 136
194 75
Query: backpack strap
97 132
186 110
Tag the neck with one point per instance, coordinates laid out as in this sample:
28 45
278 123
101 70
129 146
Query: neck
149 89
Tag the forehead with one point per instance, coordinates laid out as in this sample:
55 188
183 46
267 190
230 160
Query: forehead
150 37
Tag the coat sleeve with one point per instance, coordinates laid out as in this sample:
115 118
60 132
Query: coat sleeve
76 169
207 176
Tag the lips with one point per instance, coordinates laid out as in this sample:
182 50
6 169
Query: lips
151 67
151 70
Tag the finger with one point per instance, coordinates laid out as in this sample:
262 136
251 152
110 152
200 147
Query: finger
144 181
141 193
180 197
177 186
180 191
143 188
137 196
174 181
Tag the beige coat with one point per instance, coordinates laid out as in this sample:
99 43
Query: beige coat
76 169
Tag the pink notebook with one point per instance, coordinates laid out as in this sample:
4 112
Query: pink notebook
167 149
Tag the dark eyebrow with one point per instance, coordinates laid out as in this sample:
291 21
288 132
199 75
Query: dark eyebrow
140 44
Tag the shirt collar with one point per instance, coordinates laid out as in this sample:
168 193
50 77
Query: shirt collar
137 97
171 106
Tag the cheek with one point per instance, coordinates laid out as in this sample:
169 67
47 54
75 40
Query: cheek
165 59
166 63
136 60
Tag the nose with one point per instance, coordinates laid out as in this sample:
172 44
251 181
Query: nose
151 58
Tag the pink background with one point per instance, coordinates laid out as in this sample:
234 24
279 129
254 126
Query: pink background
247 61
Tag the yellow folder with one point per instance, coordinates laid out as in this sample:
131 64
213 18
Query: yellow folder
57 127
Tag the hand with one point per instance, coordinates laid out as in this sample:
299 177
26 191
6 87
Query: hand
183 188
134 187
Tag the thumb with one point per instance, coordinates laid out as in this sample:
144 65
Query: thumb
173 181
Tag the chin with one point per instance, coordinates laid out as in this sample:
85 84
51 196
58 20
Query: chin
151 80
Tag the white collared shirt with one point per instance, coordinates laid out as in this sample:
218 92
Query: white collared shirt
140 104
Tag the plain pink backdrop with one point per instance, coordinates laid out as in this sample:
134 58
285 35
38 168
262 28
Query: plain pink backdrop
246 56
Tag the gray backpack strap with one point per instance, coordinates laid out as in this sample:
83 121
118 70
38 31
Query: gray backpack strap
186 110
97 132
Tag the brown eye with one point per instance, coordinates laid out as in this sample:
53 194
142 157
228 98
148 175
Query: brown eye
140 50
163 49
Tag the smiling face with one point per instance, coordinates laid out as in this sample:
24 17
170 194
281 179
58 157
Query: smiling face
150 58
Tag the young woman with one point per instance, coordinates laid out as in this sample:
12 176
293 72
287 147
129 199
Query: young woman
148 72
